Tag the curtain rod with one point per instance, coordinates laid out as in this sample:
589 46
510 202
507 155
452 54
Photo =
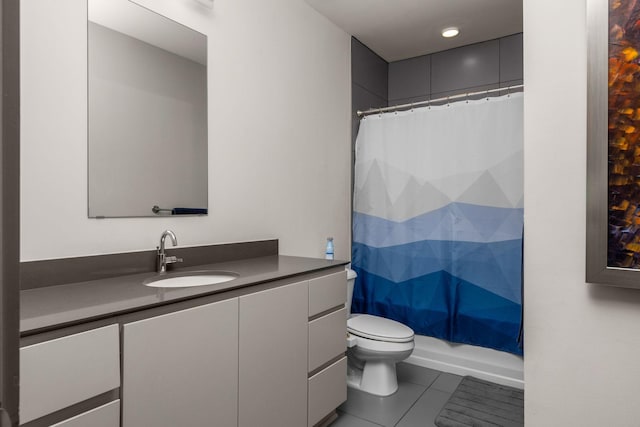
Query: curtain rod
429 102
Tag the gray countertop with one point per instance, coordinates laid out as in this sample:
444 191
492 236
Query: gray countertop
55 306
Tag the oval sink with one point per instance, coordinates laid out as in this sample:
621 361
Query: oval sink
193 279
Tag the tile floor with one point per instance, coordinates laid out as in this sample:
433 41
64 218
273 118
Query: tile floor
421 394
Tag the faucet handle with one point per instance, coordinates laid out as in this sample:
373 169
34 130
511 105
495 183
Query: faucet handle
172 259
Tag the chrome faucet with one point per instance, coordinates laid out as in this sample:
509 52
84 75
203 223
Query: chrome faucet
163 259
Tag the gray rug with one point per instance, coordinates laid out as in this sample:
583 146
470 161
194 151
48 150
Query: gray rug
479 403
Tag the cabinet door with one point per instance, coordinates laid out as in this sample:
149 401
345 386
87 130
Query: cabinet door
327 338
181 369
327 292
273 357
327 390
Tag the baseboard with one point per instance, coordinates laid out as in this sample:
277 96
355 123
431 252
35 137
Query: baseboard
462 359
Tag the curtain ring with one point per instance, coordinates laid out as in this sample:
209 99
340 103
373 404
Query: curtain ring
487 94
467 96
508 91
448 102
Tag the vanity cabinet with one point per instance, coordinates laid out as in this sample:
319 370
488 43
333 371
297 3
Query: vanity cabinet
59 373
181 369
239 362
292 369
270 356
273 357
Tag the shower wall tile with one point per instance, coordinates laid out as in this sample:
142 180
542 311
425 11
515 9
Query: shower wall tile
369 82
362 99
464 90
466 67
511 83
413 99
511 58
472 68
409 78
368 69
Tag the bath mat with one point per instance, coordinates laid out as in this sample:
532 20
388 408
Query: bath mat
479 403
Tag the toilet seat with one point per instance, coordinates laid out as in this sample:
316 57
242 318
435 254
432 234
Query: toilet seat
379 329
383 348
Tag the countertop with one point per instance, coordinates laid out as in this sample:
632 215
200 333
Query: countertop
56 306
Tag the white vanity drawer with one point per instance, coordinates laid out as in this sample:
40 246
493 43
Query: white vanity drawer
59 373
327 292
327 390
103 416
327 338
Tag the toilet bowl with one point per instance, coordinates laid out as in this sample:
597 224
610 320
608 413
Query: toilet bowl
375 344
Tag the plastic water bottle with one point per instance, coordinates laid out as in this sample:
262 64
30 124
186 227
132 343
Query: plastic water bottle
328 254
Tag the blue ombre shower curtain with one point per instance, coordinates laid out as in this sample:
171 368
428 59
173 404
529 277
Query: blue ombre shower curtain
438 220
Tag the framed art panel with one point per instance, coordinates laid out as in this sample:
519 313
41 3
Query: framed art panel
613 143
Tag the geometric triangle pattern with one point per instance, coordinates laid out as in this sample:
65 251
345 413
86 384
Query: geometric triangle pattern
432 165
485 191
438 220
386 192
448 307
455 222
509 176
495 266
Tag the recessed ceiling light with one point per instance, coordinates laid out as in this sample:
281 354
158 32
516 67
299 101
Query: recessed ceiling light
450 32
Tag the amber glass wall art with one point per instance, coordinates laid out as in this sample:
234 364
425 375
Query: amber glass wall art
623 248
613 147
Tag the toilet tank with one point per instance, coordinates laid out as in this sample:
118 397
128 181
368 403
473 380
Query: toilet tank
351 279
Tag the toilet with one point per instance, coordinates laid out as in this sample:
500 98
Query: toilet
374 346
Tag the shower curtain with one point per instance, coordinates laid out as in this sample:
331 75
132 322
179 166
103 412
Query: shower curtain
438 220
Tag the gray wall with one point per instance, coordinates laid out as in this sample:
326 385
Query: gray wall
369 81
480 66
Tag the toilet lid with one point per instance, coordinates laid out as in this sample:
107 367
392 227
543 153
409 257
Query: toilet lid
379 328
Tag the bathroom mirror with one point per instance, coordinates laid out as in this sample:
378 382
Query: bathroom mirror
147 113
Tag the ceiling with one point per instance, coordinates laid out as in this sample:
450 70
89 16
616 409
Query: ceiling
401 29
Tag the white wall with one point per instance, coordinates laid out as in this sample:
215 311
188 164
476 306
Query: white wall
581 340
279 123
